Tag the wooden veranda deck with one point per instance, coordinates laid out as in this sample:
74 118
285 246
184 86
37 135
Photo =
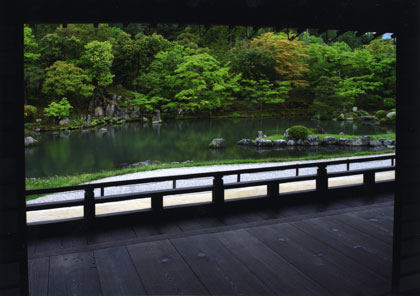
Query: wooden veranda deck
339 248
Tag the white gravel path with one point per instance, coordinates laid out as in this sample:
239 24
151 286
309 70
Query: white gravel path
205 181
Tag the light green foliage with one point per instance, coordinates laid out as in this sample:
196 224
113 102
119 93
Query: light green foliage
97 60
157 81
59 109
143 102
30 52
202 83
33 73
264 92
298 132
65 79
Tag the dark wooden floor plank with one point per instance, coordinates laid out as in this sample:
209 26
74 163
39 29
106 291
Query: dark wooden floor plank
231 219
217 269
369 227
117 273
382 219
60 242
145 230
108 235
275 272
315 265
163 271
38 276
365 249
74 274
383 216
357 273
168 227
199 223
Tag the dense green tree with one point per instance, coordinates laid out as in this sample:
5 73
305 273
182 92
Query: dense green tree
97 60
148 47
156 81
263 92
33 73
86 32
290 58
203 84
252 63
126 61
66 80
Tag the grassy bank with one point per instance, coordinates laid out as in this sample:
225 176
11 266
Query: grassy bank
322 136
60 181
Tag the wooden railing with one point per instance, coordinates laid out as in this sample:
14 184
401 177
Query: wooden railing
217 187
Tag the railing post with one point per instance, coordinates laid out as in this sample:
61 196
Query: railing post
218 195
273 190
369 179
157 204
322 178
89 206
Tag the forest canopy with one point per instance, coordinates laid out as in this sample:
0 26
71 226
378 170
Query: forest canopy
208 69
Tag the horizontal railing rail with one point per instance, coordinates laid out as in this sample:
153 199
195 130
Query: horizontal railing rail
217 188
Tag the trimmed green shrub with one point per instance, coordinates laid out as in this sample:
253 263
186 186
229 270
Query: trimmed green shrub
29 111
58 110
389 103
381 114
298 132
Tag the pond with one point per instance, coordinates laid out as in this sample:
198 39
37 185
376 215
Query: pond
173 141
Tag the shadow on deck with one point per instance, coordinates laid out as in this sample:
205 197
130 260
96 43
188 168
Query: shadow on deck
340 248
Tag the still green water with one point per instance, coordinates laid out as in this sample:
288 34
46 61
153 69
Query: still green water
173 141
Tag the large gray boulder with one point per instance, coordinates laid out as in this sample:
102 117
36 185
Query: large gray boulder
329 141
99 111
64 121
110 110
356 142
280 143
245 142
218 143
365 140
29 142
391 115
344 142
375 143
263 142
291 143
313 140
386 142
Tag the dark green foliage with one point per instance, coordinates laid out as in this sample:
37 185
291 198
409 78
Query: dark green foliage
380 114
298 132
389 103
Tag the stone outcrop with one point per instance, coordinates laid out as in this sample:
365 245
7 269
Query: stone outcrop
218 143
329 141
30 142
245 142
